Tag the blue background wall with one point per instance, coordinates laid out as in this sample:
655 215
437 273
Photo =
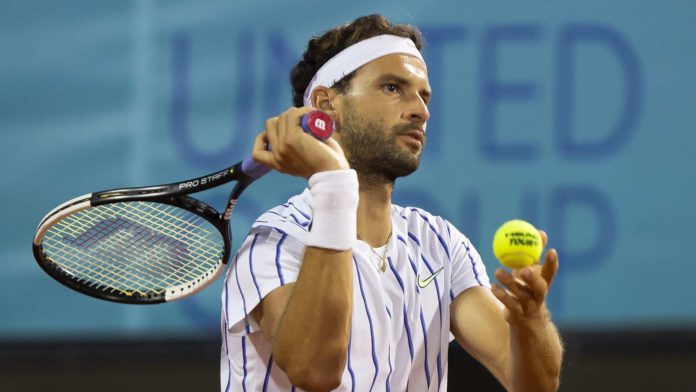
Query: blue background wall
577 116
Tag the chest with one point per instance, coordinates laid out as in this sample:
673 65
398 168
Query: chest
413 289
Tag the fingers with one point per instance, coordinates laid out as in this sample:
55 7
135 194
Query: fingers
550 268
525 290
511 303
515 285
271 130
293 151
537 285
260 152
293 117
527 295
536 268
284 126
281 133
544 238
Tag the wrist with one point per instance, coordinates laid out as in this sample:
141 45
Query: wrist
334 209
532 322
331 166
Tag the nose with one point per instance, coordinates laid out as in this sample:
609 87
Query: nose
417 111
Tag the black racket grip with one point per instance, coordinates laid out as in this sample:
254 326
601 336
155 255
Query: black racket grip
316 122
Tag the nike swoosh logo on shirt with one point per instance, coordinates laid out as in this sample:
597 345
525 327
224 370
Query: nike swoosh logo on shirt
424 282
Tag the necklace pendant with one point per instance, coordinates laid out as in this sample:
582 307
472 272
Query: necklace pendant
383 257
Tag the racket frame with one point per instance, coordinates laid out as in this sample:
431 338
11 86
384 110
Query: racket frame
174 194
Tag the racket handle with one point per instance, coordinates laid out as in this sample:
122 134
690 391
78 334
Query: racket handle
316 123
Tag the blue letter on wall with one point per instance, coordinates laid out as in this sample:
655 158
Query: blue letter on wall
180 107
493 91
569 39
436 40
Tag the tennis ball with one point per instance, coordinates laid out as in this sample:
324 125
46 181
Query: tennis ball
517 244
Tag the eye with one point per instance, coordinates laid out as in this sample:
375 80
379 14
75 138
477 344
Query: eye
391 88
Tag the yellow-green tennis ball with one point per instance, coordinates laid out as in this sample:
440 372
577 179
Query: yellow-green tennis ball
517 244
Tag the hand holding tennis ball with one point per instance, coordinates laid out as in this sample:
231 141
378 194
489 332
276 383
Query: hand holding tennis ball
517 244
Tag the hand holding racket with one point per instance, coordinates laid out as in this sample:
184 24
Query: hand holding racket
293 152
154 244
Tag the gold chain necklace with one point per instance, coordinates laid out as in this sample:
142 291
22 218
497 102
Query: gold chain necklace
383 257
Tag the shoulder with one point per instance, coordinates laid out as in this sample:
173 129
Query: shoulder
420 221
293 217
425 230
430 230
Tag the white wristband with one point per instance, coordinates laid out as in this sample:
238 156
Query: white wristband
334 209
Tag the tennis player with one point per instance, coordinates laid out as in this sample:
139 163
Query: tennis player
338 288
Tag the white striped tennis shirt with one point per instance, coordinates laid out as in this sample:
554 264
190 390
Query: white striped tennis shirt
400 330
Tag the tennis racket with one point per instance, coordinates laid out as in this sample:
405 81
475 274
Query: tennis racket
151 244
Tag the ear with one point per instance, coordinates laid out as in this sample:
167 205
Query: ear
322 98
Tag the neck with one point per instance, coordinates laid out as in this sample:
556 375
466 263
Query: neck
374 211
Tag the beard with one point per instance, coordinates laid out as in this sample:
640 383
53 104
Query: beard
372 150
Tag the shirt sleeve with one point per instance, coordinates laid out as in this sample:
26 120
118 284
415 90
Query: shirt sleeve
468 270
267 259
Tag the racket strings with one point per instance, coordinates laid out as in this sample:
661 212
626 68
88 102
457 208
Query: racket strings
145 242
141 240
147 270
118 272
135 246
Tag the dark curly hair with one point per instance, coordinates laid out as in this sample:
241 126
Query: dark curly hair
322 49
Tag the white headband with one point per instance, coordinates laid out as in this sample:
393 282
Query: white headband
357 55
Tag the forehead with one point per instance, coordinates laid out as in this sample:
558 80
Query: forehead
402 65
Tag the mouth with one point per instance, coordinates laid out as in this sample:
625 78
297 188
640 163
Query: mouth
415 135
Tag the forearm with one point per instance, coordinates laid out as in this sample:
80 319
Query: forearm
536 355
309 324
311 342
313 332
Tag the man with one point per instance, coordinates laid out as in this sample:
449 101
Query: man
340 289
